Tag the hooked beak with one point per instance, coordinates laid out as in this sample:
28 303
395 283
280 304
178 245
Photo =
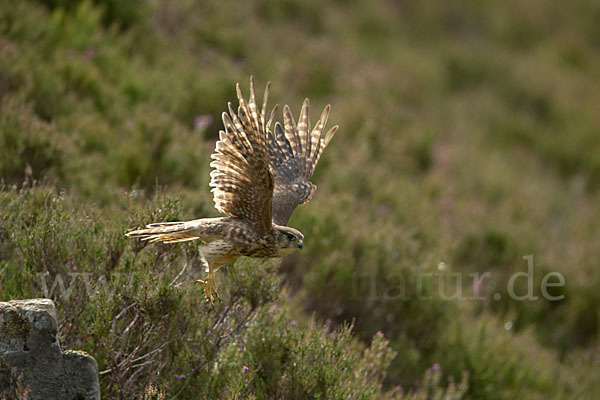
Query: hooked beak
300 244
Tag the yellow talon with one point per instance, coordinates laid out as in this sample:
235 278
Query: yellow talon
210 289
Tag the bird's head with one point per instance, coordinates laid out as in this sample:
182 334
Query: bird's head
288 240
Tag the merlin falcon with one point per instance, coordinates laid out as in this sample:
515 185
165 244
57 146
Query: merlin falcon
259 177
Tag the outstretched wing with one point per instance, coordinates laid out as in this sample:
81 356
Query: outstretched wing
241 180
294 152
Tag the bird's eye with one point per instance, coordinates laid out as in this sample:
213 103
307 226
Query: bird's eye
290 236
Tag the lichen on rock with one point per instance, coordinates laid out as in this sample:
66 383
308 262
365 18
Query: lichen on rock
13 325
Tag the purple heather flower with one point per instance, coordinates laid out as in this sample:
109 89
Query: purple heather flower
436 367
179 377
399 388
478 286
245 368
294 323
202 121
382 208
89 53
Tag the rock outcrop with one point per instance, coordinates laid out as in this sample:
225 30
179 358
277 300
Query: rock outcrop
32 363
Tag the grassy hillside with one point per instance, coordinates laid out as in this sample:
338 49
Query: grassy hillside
468 140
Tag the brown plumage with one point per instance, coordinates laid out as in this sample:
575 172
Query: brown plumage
293 156
258 179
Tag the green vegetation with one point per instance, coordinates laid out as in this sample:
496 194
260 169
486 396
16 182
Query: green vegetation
468 139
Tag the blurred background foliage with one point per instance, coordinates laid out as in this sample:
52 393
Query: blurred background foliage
469 139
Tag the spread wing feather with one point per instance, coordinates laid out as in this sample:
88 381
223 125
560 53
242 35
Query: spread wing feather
241 181
294 151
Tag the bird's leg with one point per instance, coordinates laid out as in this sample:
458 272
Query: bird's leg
210 288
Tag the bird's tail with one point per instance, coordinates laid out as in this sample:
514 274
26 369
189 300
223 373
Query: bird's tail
166 232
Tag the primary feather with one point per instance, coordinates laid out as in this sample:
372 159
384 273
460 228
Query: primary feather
293 156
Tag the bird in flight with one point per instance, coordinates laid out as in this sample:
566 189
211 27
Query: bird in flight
259 177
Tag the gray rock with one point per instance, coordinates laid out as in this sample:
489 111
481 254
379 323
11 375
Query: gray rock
32 364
